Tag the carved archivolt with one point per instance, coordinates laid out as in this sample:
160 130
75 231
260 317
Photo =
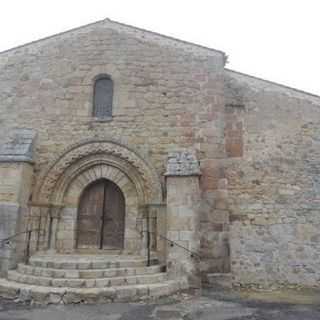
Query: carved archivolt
71 186
82 156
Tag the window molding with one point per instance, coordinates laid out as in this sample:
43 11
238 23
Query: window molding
104 112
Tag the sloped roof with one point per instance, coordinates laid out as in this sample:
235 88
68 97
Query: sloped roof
138 32
260 83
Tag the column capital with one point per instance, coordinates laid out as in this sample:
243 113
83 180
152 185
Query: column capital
182 163
18 146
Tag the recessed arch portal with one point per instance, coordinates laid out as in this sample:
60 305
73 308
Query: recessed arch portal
64 181
83 181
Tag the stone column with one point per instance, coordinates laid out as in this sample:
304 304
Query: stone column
16 173
183 199
53 227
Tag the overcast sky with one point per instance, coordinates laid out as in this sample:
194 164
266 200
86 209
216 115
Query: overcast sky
278 40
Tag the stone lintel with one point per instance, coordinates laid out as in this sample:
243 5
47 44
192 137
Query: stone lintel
182 163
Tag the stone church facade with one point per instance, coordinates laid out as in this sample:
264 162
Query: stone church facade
115 139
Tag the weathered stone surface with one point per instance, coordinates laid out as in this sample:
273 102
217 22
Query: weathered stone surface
48 87
18 146
210 305
49 295
15 185
54 298
274 187
72 297
255 144
182 163
32 284
183 202
25 295
219 280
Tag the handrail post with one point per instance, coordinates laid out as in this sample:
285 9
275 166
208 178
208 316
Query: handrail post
28 247
148 240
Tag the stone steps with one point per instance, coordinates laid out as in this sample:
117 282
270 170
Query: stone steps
80 262
52 295
86 273
86 283
219 280
74 278
81 256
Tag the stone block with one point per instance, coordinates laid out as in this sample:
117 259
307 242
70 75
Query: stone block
126 293
158 290
72 297
182 163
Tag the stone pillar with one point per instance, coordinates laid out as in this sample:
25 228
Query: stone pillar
53 227
16 173
183 200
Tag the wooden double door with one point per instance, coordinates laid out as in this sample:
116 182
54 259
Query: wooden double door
101 216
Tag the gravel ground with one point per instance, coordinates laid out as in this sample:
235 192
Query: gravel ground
210 305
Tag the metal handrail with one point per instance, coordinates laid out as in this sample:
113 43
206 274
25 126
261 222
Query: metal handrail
27 250
18 234
172 244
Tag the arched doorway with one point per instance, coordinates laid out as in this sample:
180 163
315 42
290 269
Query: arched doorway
101 216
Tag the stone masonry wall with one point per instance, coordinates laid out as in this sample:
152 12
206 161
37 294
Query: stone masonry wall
168 95
15 185
257 142
273 173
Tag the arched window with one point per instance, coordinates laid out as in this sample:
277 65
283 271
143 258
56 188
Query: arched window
103 95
